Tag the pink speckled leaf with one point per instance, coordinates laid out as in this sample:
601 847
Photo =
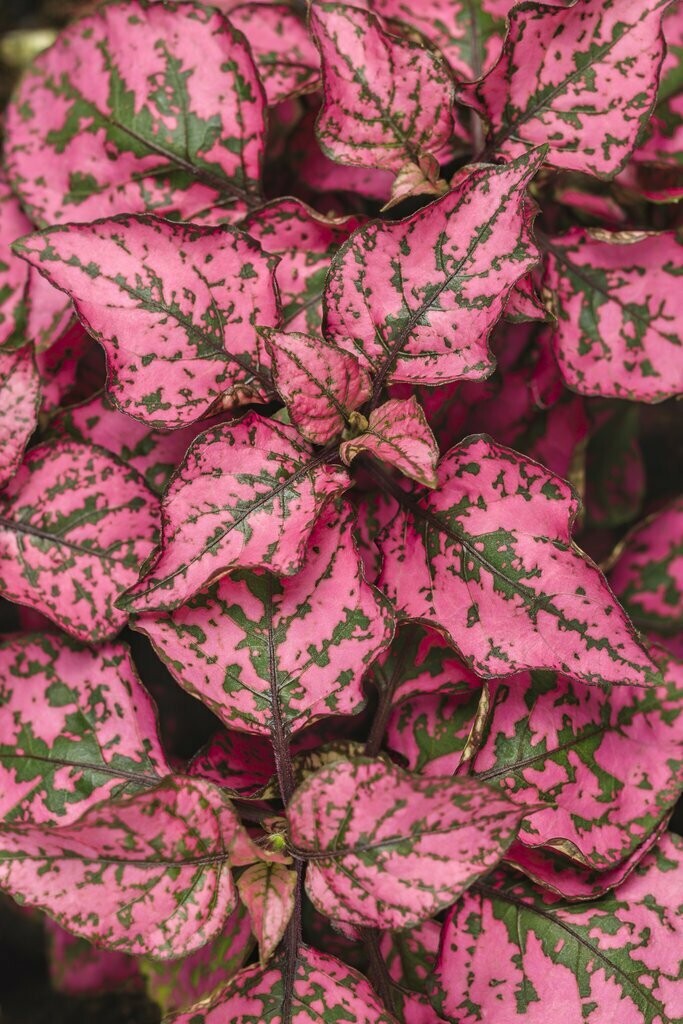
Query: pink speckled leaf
267 654
304 242
19 402
267 891
647 575
513 954
608 765
387 100
272 489
616 302
13 276
137 107
320 383
65 364
488 559
75 527
581 78
319 990
283 51
410 958
420 662
49 310
146 874
77 726
415 300
398 433
242 763
174 306
317 172
77 968
437 732
388 849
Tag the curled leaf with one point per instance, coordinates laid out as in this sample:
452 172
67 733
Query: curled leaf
398 434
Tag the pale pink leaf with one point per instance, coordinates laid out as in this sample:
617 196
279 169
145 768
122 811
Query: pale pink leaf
387 100
317 172
67 547
49 310
174 306
487 558
77 968
19 403
272 490
13 276
267 891
266 654
582 78
320 383
283 51
389 849
511 953
416 300
616 302
398 433
374 510
77 726
242 763
167 115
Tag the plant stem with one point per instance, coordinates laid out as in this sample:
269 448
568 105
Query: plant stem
290 947
378 974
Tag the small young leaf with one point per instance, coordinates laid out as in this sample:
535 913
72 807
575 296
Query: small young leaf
398 434
488 559
19 402
320 383
267 654
174 306
147 874
77 726
267 891
387 100
582 78
13 276
272 490
615 297
415 300
137 107
388 849
511 953
283 51
67 547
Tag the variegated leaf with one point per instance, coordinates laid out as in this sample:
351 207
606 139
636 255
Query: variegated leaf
49 311
318 173
13 276
511 953
267 655
397 433
387 100
415 300
174 306
410 958
647 573
77 968
137 107
319 990
388 849
582 78
76 726
272 490
418 663
488 559
267 891
320 383
243 764
19 402
283 51
67 548
615 298
146 874
304 242
437 732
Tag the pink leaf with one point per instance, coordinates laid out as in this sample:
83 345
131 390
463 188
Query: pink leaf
488 559
323 989
19 402
77 968
267 891
415 300
511 953
317 172
398 433
582 78
241 763
175 307
271 492
266 654
77 726
61 364
437 732
49 310
647 575
304 242
608 765
320 383
167 116
386 100
13 276
419 663
66 548
410 958
616 304
283 51
389 849
147 874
